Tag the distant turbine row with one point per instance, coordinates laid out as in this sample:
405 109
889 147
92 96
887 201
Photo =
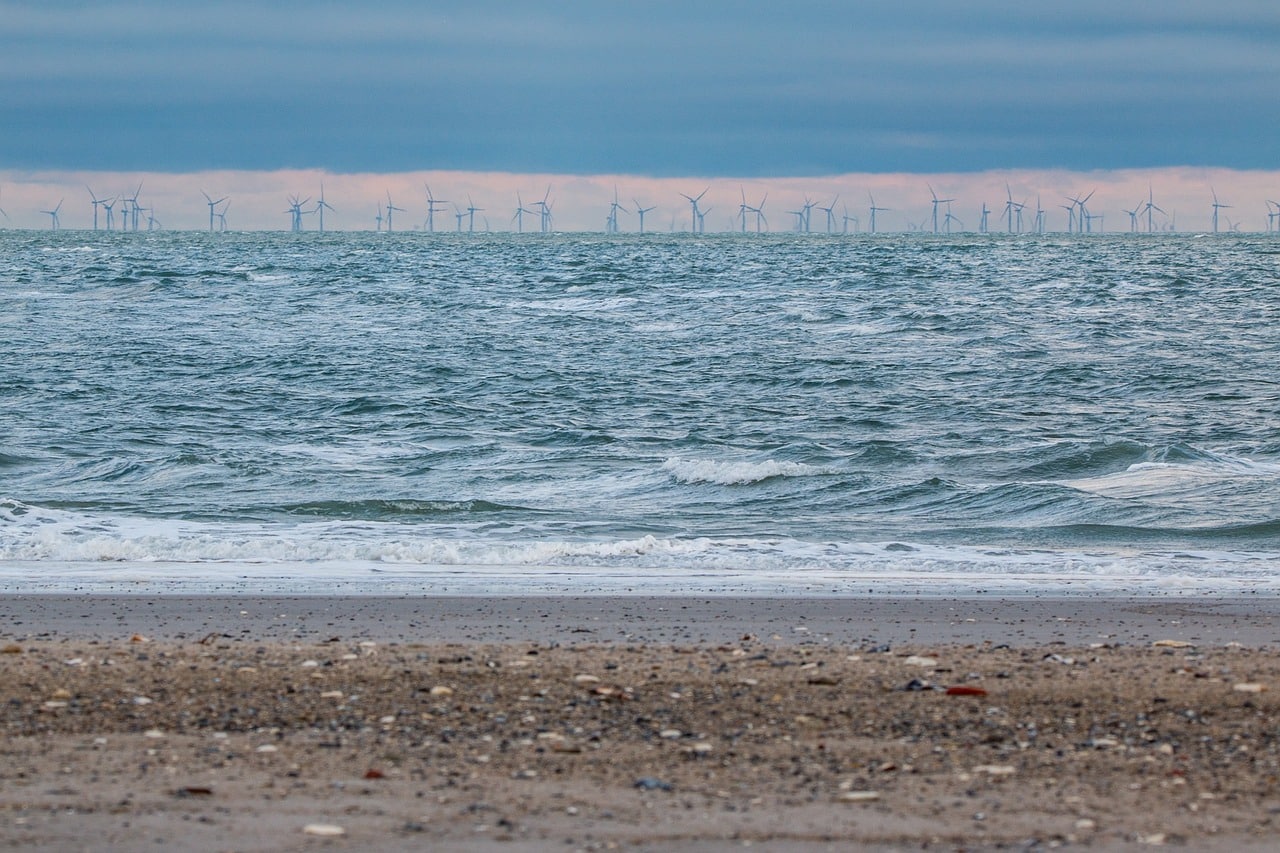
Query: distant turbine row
1016 216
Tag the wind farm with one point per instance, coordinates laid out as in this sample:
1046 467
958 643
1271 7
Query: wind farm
746 208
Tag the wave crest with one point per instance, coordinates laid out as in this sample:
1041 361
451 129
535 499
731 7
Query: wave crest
735 473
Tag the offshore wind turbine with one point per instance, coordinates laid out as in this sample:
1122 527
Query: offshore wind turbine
390 209
1133 218
611 223
1217 205
848 219
518 218
1271 217
937 201
133 203
758 210
55 223
222 217
6 215
1151 206
212 204
873 211
982 223
96 202
831 218
695 219
472 210
742 209
641 211
544 211
432 201
1039 216
321 204
948 219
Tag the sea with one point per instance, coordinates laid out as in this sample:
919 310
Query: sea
786 414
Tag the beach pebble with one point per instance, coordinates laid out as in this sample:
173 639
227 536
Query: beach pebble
1173 644
441 690
141 700
650 783
995 769
670 734
331 694
858 796
324 830
966 690
919 660
1084 824
11 649
307 664
266 747
154 734
1249 687
586 679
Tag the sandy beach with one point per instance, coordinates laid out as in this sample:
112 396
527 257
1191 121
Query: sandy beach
298 723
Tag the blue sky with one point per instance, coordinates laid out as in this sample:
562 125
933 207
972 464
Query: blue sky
705 88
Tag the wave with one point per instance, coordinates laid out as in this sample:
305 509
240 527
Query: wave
736 473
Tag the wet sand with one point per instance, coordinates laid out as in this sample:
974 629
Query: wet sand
237 723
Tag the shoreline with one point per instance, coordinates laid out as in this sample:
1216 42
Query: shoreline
668 620
259 723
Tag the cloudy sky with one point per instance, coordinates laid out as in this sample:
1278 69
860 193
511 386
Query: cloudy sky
729 91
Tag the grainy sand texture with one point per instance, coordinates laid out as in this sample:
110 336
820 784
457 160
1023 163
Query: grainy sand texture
280 724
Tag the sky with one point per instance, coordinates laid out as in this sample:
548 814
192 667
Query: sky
494 96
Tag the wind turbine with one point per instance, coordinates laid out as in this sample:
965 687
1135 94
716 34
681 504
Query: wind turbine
1271 217
109 207
210 201
544 210
1083 219
612 221
55 223
321 204
6 216
702 220
295 208
1133 218
133 203
390 209
758 210
695 219
937 201
742 209
96 201
432 201
874 209
848 219
1039 216
982 223
1071 213
520 214
642 211
472 210
1151 206
1217 205
1009 207
222 217
459 215
153 224
947 220
831 218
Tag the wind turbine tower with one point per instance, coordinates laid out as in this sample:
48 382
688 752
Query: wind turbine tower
432 201
611 223
472 210
212 204
937 201
641 211
695 218
831 217
391 208
96 201
874 210
1151 206
55 223
1217 205
321 204
982 223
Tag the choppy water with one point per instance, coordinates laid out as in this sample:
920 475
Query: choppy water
651 413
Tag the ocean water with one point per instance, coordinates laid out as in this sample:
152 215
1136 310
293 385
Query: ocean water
658 413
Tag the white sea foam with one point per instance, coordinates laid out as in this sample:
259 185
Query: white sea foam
55 549
735 472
